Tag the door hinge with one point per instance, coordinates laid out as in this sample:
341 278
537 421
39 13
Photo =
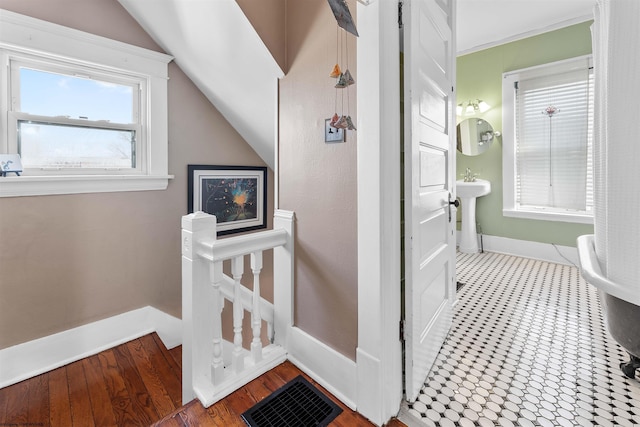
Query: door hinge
401 330
400 14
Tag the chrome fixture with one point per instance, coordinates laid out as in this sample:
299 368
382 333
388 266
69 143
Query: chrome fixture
472 107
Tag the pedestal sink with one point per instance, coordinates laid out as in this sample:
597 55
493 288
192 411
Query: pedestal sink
468 192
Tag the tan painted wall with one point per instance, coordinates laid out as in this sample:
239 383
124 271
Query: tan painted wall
74 259
318 180
268 17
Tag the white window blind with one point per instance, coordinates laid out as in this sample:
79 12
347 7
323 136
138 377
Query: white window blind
553 133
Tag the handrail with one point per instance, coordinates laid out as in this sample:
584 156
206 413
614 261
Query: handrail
221 250
212 366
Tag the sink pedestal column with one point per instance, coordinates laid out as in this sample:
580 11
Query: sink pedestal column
468 235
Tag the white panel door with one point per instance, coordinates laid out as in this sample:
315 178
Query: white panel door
429 73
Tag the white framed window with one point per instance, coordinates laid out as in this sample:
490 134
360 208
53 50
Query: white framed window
547 141
85 113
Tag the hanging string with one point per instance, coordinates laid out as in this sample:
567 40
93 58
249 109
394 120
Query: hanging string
346 46
343 61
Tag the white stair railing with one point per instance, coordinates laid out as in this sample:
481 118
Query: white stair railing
212 367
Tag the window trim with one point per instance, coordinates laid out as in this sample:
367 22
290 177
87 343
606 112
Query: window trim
23 36
509 205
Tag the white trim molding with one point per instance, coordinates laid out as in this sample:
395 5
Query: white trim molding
379 350
332 370
24 36
558 254
32 358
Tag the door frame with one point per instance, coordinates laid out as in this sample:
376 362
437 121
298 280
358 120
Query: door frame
379 350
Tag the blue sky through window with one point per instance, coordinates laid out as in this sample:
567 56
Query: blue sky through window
50 144
50 94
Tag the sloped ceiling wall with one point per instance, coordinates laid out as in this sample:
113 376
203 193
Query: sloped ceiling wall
214 43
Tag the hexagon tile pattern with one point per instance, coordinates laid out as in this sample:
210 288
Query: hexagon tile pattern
528 347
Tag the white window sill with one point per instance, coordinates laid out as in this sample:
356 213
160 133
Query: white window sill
549 216
15 186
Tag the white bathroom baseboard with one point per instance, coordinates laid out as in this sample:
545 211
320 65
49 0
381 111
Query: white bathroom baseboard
535 250
26 360
332 370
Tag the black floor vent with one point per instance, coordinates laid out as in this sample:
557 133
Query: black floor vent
297 403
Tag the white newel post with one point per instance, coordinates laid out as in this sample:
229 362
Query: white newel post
196 227
283 274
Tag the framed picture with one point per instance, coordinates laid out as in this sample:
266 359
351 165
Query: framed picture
10 163
236 195
332 134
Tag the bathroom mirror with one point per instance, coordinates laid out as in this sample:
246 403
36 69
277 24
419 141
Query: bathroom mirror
475 136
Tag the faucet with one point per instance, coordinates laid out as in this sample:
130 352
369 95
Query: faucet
469 177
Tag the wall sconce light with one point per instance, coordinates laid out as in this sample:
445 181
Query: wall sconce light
472 107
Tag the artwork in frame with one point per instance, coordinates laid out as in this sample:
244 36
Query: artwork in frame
236 195
10 163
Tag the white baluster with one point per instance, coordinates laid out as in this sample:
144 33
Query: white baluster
217 363
270 332
256 321
237 268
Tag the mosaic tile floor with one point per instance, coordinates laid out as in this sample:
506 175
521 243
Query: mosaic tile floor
528 347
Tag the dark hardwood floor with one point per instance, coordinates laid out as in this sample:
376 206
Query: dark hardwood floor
137 384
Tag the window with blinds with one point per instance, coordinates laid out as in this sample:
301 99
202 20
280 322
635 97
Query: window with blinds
552 115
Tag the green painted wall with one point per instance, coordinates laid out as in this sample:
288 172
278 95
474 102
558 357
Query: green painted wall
479 75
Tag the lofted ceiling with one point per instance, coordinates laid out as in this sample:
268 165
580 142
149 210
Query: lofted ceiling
214 43
486 23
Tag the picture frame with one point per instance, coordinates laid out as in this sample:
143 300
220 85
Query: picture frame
236 195
332 134
10 163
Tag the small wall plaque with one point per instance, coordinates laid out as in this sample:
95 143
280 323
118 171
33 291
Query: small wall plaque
332 134
10 163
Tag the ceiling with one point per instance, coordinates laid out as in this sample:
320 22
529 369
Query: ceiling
486 23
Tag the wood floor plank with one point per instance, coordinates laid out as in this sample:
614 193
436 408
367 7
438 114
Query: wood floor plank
162 361
172 420
81 411
260 388
121 387
195 415
140 399
175 363
162 402
59 402
223 415
118 393
287 371
98 394
18 404
240 400
4 398
176 352
39 400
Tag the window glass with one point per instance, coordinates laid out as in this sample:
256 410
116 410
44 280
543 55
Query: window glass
52 94
547 141
552 137
52 145
86 113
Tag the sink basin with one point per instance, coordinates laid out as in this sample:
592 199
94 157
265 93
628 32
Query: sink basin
477 188
468 193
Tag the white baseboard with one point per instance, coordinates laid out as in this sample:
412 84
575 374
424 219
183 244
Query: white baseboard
332 370
32 358
535 250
